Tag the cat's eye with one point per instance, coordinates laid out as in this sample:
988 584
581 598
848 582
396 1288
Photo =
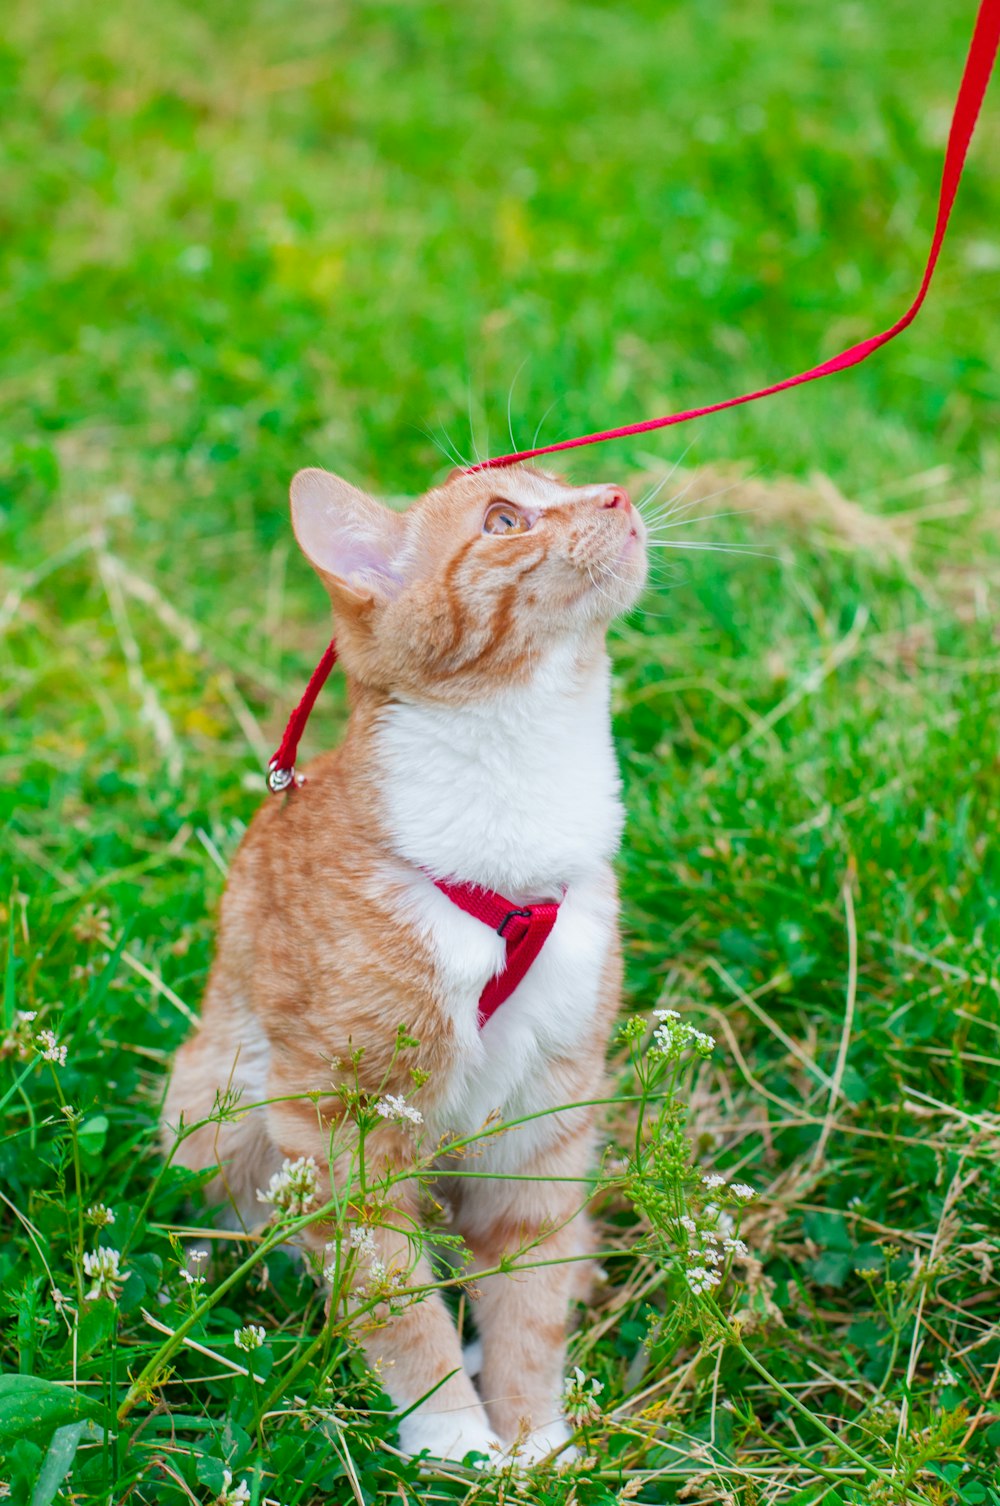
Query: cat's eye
504 517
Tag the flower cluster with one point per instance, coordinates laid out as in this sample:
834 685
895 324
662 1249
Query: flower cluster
741 1191
384 1282
394 1106
710 1242
248 1338
293 1190
103 1266
580 1398
672 1038
100 1215
50 1048
193 1279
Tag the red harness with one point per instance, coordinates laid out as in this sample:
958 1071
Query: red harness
524 928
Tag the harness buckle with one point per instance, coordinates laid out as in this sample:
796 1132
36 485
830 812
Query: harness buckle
521 914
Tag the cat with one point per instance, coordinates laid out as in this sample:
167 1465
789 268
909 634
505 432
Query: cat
471 629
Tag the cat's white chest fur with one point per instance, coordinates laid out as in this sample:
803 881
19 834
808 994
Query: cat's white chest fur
519 795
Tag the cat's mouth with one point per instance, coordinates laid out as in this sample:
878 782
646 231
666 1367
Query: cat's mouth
634 543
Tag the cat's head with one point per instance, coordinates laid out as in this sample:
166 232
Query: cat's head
469 587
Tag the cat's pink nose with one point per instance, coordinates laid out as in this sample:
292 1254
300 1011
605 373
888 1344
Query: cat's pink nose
616 496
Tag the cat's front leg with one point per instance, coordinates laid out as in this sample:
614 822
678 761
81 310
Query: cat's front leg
411 1344
522 1313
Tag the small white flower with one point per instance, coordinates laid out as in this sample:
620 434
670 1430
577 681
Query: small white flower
191 1279
250 1337
743 1191
580 1397
25 1016
363 1240
50 1048
735 1247
101 1215
672 1037
195 1257
711 1255
714 1180
293 1189
102 1266
230 1494
394 1106
701 1280
688 1224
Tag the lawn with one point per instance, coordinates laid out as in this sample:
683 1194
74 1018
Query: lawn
238 239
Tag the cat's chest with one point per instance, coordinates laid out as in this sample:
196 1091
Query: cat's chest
504 1067
521 795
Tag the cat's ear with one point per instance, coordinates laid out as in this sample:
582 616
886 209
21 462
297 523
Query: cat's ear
350 540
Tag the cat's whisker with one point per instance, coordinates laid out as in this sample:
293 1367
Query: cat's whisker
652 495
538 428
716 548
510 396
449 451
733 512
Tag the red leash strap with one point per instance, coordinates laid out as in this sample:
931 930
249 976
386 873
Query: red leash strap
525 930
978 67
281 769
975 77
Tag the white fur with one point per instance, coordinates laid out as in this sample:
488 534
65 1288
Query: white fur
520 795
448 1435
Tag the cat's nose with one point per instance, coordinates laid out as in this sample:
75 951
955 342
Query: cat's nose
616 496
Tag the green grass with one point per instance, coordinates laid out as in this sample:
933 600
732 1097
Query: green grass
240 239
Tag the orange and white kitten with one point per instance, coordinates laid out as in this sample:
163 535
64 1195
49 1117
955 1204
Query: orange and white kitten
471 630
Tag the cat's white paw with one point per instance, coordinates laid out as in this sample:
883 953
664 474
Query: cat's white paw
540 1443
448 1435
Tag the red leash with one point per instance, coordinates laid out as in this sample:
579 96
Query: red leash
975 77
978 67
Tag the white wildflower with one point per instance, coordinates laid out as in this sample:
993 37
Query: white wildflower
394 1106
580 1395
250 1337
743 1191
714 1180
672 1037
710 1254
192 1280
50 1048
293 1189
700 1280
363 1240
230 1494
103 1267
688 1224
735 1247
101 1215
